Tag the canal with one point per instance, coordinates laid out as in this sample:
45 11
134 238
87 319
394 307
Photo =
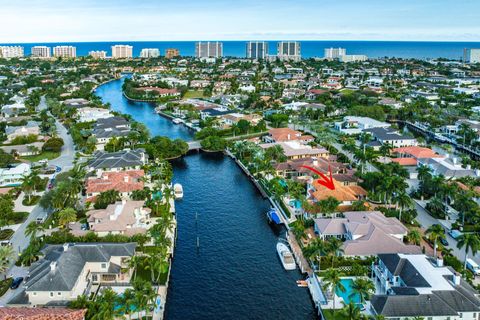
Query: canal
235 272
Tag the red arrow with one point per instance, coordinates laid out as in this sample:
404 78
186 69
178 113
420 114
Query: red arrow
327 181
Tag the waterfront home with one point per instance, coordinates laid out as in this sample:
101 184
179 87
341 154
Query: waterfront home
24 150
67 271
31 128
88 114
111 127
286 134
391 137
76 103
449 168
160 92
355 125
117 161
414 285
296 150
25 313
13 176
215 112
124 217
366 233
125 182
296 169
346 194
233 118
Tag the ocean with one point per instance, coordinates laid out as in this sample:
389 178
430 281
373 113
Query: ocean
373 49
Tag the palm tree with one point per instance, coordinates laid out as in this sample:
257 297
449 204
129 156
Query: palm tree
28 186
316 249
471 242
362 287
298 229
434 233
133 263
350 311
424 172
403 201
6 255
107 303
32 229
66 216
332 282
414 236
335 247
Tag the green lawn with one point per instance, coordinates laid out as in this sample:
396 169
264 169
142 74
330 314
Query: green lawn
193 94
145 274
4 285
49 155
329 315
33 200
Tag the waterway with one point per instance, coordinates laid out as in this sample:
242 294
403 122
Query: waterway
235 272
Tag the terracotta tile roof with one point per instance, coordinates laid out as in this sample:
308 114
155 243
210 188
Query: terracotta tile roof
417 152
405 161
24 313
287 134
123 181
341 192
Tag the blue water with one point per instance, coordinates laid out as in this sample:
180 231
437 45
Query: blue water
141 111
235 273
374 49
348 294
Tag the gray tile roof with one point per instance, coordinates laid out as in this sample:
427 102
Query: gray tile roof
403 268
120 159
425 305
70 263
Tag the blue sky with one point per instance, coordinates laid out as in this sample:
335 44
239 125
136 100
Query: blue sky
112 20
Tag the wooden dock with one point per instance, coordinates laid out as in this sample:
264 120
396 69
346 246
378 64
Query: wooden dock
297 252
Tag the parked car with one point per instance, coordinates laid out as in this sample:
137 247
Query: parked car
473 266
444 242
454 233
16 283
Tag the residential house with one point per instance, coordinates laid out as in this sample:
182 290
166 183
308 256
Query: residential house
117 161
107 128
391 137
88 114
449 168
126 217
64 272
24 150
355 125
286 134
366 233
31 128
415 286
13 176
125 182
233 118
296 150
345 193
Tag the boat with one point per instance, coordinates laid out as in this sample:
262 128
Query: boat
273 216
178 191
302 283
286 256
177 120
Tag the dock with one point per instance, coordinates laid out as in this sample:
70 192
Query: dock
297 252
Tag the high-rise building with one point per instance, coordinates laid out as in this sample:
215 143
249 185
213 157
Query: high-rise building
100 54
257 49
289 50
209 49
150 53
11 52
471 55
65 51
172 53
334 53
41 52
120 51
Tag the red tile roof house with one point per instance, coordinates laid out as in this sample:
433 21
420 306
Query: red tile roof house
24 313
125 182
286 134
161 91
409 156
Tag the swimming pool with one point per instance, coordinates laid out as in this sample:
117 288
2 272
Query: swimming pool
348 294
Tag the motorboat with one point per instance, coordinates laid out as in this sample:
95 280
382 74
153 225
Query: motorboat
273 217
286 256
178 191
177 120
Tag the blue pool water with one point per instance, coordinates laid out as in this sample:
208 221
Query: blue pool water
348 294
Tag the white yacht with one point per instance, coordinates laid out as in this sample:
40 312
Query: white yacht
286 256
177 120
178 191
